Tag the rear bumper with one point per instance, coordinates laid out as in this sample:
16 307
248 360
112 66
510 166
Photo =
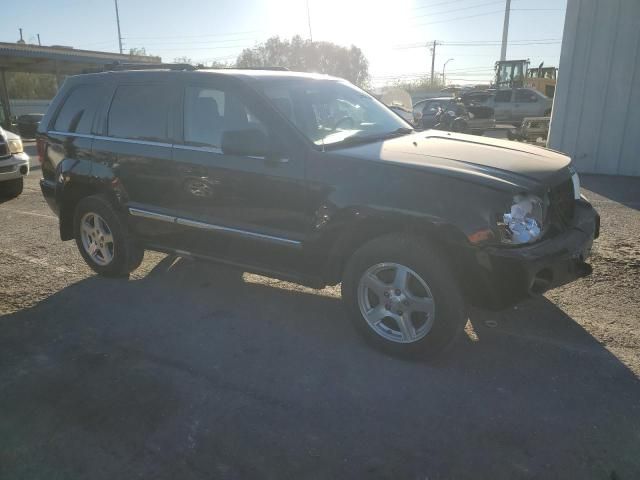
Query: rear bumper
506 276
48 188
16 166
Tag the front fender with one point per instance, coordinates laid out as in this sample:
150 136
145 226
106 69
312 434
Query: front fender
357 200
353 227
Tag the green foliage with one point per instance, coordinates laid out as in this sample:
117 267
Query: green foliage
303 55
183 59
139 52
420 85
31 86
212 64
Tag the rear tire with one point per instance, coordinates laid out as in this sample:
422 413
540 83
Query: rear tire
12 188
409 326
103 238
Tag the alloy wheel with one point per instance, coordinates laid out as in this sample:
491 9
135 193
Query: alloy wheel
396 302
97 238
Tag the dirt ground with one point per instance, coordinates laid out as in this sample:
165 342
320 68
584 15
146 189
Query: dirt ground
607 303
195 371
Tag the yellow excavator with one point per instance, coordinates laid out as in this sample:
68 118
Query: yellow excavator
517 74
543 79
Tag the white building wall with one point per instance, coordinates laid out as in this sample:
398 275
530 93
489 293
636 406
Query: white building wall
596 112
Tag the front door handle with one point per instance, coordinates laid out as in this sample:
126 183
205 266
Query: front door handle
274 162
192 170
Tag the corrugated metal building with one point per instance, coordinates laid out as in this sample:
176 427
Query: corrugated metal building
596 114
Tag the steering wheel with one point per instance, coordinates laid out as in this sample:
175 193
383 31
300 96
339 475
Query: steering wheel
352 122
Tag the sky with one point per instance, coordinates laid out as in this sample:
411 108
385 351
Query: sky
392 33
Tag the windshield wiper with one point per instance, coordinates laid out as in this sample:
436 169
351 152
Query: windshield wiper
398 132
354 140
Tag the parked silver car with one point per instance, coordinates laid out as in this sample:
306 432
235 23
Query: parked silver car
513 105
14 164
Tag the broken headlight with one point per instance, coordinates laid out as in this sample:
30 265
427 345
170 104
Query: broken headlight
523 223
575 179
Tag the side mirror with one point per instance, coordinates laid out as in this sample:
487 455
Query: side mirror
245 143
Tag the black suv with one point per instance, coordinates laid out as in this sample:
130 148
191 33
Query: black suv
310 179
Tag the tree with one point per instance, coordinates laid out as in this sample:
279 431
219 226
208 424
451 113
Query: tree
186 60
419 85
31 85
213 64
306 56
138 52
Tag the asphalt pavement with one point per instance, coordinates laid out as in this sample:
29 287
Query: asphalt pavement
195 371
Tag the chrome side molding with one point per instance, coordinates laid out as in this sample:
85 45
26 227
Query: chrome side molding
138 212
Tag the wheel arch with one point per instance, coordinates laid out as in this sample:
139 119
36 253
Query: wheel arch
443 234
70 196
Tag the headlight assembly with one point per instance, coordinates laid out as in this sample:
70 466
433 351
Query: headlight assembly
523 223
575 179
15 145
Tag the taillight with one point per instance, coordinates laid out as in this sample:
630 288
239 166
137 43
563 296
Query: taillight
41 146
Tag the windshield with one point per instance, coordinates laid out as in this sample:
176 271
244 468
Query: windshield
330 112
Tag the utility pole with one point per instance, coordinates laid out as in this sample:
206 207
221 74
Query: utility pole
505 31
309 21
433 61
118 22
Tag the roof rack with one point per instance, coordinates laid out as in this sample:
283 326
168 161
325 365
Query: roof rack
117 66
276 69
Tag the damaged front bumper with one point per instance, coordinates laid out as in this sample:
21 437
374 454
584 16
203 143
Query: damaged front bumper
507 275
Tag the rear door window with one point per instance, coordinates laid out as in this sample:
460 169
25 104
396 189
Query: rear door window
140 112
78 111
503 96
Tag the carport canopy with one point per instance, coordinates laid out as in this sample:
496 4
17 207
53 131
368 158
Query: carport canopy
57 60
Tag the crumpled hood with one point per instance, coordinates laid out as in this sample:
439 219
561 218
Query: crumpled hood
486 160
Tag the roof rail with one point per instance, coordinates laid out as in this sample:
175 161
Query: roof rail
117 66
277 69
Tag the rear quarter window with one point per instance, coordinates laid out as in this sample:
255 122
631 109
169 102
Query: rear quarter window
78 110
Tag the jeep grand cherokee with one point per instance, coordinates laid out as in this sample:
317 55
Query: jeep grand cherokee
310 179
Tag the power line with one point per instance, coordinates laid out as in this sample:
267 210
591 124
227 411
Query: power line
480 15
460 18
458 9
449 2
183 49
208 42
198 36
482 43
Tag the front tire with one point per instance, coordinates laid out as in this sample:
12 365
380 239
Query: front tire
12 188
402 297
103 238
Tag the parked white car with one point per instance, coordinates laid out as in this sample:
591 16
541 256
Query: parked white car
14 164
